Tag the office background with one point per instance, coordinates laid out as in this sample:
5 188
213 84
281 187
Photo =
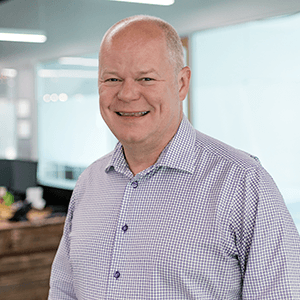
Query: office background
245 90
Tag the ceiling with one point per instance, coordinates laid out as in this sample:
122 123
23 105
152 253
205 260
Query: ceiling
75 27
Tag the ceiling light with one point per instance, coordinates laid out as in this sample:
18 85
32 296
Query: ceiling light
63 97
22 35
12 73
156 2
79 61
54 97
48 73
46 98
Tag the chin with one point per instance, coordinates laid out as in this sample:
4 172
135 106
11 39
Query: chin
131 140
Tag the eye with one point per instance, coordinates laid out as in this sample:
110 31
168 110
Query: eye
112 80
146 79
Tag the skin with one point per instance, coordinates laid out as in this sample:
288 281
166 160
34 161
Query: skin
136 76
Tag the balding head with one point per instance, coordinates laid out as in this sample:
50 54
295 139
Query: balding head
142 83
151 28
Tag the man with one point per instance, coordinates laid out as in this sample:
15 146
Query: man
171 213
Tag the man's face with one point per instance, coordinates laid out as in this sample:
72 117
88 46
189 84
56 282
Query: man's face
138 89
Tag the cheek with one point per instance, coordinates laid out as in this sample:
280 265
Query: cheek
105 97
102 112
104 105
158 98
170 102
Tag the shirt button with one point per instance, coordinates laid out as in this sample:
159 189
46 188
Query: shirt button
117 274
134 184
125 227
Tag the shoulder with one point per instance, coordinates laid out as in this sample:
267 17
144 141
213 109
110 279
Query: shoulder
216 150
92 175
242 169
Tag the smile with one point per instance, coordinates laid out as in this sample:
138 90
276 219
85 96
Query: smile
132 114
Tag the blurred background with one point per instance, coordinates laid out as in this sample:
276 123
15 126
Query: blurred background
245 88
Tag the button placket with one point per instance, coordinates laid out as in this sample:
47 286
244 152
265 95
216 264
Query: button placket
116 266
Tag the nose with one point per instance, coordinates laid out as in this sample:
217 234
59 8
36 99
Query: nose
129 91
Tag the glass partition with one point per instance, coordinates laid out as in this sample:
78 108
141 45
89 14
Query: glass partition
71 131
8 140
246 87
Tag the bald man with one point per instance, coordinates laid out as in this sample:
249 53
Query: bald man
171 213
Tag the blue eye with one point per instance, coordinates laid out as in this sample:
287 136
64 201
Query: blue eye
147 79
112 80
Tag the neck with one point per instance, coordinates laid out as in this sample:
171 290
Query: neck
141 158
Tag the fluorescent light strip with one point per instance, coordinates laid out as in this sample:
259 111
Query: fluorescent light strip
79 61
12 73
22 35
48 73
156 2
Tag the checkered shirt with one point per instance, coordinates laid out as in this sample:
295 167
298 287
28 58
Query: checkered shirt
206 221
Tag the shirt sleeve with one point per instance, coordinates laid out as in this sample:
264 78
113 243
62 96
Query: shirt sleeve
267 240
61 280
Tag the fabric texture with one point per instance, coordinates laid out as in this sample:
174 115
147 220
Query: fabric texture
206 221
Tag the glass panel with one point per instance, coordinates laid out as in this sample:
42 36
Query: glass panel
246 87
8 141
71 131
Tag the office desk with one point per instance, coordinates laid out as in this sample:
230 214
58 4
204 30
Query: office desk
27 250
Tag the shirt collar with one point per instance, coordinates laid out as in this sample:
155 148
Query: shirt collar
178 154
118 161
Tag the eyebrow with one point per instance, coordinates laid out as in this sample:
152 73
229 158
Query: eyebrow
147 72
140 73
108 72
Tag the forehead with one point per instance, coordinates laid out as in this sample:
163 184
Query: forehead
135 30
136 36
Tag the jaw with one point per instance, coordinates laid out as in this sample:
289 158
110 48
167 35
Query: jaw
131 128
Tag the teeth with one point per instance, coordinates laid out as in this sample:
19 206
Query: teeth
133 114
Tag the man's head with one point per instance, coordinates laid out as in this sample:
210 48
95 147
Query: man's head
142 81
171 37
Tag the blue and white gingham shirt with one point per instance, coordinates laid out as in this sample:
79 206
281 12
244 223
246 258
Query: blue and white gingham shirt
206 221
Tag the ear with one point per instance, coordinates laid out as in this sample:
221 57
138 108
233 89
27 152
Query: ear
184 77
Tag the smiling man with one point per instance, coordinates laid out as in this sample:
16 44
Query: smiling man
171 213
141 88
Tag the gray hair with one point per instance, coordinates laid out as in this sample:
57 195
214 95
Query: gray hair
172 38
